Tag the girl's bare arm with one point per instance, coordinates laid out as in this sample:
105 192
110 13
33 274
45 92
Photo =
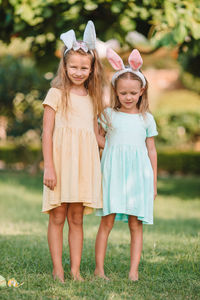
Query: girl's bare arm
153 158
49 178
100 134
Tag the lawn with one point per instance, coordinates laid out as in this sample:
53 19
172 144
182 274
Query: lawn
169 267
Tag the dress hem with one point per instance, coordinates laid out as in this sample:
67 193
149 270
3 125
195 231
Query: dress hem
140 218
86 204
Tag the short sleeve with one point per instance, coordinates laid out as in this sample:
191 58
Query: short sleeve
52 98
151 129
103 121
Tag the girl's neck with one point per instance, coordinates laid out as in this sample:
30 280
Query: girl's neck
129 111
79 90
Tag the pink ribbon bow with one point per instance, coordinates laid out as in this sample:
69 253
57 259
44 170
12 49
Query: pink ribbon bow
80 45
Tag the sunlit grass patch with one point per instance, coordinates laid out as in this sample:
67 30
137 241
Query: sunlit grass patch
169 266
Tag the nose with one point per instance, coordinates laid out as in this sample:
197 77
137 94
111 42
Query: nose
78 72
128 97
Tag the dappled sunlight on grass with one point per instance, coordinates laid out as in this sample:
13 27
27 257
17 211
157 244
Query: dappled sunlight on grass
21 228
170 257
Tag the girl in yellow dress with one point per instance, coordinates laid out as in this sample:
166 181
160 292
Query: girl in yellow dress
72 175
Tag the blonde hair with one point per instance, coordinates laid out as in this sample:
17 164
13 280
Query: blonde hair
143 103
94 83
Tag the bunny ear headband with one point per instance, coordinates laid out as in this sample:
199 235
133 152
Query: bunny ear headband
88 43
135 63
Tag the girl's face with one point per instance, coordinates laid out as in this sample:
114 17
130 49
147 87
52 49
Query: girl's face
78 68
129 92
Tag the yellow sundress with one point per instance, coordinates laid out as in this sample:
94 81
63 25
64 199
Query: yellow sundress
75 154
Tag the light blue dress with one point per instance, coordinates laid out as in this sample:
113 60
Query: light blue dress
127 174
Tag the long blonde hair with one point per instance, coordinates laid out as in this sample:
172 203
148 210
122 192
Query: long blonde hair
94 84
143 103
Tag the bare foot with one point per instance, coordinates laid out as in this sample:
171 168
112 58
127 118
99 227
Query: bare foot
133 276
59 276
76 277
101 275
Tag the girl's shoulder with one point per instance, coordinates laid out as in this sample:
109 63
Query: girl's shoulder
53 98
150 125
54 91
148 117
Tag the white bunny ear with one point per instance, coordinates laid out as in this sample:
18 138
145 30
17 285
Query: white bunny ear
114 59
68 38
135 60
89 36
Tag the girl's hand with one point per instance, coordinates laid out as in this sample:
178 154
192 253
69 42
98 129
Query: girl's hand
49 178
155 192
100 134
101 141
101 131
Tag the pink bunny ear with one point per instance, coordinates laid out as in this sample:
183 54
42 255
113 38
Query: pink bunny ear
135 60
114 59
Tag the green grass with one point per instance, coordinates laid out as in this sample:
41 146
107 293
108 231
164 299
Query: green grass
169 266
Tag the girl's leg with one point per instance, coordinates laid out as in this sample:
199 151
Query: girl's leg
136 231
101 243
57 218
75 237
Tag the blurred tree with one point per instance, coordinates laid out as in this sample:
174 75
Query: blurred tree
21 88
164 22
11 83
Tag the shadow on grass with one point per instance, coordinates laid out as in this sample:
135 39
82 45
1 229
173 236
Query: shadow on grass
186 188
22 178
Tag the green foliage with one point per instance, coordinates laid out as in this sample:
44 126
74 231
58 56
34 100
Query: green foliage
189 57
179 162
179 20
28 112
178 130
165 22
21 88
190 81
15 77
177 116
169 161
19 153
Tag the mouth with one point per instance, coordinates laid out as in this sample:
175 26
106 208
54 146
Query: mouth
77 78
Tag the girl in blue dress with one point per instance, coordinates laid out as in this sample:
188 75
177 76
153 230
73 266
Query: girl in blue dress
129 160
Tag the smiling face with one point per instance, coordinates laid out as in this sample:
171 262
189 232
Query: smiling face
78 68
128 91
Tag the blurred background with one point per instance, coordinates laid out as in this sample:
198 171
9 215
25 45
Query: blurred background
167 33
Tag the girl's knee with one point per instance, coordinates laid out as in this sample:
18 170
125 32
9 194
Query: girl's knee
75 214
75 219
57 216
107 223
134 223
57 219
